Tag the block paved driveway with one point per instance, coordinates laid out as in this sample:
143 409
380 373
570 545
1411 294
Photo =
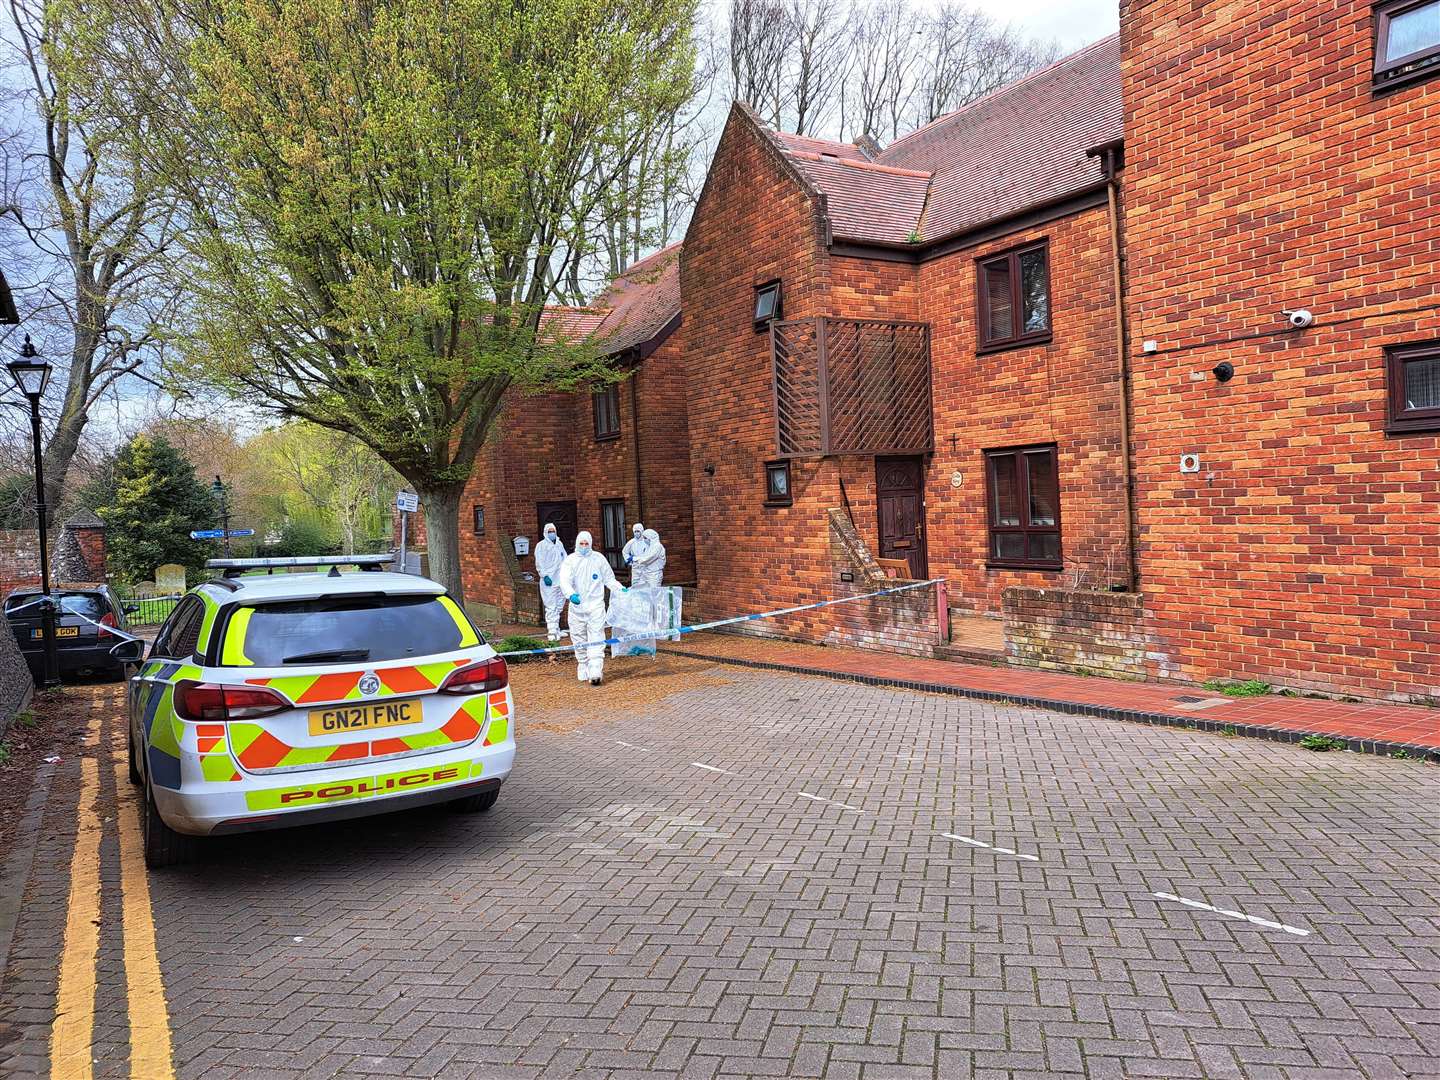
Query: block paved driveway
626 912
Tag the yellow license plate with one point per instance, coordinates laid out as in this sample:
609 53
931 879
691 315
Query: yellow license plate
338 719
60 631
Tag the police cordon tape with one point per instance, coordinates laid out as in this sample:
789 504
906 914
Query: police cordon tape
61 609
659 634
665 633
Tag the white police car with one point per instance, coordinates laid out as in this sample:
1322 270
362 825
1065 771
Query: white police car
274 699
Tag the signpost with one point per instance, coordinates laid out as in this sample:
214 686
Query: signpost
407 502
207 534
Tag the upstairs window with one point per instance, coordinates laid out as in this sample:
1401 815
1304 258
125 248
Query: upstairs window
606 405
1014 298
1023 491
1407 41
612 532
767 304
1413 372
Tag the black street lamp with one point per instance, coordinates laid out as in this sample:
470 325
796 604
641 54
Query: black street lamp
218 488
31 375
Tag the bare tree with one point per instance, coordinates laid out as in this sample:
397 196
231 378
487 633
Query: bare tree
92 218
967 57
821 61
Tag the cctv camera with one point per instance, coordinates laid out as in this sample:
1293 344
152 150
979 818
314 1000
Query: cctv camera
1299 319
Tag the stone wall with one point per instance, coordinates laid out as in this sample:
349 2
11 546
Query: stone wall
16 685
1079 630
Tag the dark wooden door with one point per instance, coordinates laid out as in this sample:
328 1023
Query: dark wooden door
563 516
900 495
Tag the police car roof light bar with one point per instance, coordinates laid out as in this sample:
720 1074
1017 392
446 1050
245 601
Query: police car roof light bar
235 567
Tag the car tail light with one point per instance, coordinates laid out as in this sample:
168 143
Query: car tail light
108 619
211 701
489 675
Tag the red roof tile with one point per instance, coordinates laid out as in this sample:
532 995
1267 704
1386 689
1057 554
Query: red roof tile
1019 147
634 307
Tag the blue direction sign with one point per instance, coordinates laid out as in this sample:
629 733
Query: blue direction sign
207 534
242 532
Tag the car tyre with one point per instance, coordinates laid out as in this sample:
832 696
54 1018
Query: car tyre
118 673
476 804
163 845
135 777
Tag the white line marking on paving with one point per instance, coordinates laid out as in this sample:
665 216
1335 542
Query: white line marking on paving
830 802
712 768
1232 914
981 843
632 746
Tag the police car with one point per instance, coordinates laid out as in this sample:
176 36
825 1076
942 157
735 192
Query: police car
274 699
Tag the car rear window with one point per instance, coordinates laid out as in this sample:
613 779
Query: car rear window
345 629
91 605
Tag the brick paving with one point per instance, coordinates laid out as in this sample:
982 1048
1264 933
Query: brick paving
623 913
1364 726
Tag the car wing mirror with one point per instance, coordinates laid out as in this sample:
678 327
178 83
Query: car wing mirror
128 652
130 609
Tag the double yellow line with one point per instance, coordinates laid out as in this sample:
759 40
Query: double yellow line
73 1030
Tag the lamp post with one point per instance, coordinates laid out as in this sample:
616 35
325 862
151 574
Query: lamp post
31 375
218 488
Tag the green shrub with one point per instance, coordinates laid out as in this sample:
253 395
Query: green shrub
517 643
1248 688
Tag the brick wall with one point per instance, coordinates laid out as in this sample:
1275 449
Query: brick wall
1079 630
1262 173
77 554
543 449
757 221
753 223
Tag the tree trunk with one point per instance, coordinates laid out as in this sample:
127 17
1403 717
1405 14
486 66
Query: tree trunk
442 535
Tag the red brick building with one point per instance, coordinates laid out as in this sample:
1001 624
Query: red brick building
598 461
1042 348
943 371
1283 157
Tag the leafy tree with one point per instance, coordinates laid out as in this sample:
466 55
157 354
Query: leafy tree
384 196
87 221
157 501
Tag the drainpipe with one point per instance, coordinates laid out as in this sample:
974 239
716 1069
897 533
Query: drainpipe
635 424
1110 159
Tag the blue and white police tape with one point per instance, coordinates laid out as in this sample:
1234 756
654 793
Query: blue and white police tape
61 610
665 633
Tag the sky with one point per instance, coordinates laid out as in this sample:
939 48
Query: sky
1073 23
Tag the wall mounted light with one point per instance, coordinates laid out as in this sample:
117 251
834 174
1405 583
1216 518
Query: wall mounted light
1224 371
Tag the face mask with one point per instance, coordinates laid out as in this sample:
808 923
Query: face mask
584 549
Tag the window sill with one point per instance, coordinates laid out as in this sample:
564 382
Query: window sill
996 564
768 504
1379 87
1419 425
1020 343
607 438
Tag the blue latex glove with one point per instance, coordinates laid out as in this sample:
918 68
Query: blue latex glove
575 598
547 580
624 588
629 559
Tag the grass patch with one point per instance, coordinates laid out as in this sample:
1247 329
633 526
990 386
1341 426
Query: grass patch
517 643
1248 688
1229 731
1322 744
26 719
1401 754
4 755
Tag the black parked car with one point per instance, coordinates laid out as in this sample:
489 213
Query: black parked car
81 646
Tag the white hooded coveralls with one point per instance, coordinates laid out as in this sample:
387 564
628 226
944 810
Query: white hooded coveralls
649 566
584 576
549 554
635 545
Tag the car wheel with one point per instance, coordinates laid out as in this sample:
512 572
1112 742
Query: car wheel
135 777
476 804
163 845
118 673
